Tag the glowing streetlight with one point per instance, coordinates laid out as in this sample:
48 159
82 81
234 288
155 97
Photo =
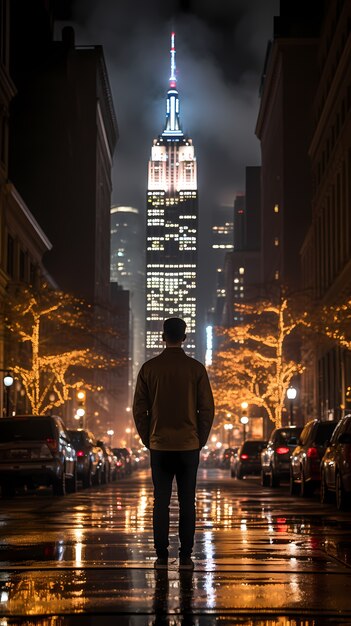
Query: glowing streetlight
8 382
244 417
291 395
229 428
110 433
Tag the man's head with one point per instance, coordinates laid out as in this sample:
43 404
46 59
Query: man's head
174 331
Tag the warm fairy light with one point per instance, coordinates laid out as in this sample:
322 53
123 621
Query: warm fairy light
252 360
44 374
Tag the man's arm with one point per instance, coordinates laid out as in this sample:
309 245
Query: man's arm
141 411
205 408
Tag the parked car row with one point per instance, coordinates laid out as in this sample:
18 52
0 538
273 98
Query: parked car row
319 456
315 456
38 450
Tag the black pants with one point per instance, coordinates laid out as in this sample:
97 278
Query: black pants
165 466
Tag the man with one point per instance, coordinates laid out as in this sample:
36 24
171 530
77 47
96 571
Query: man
173 412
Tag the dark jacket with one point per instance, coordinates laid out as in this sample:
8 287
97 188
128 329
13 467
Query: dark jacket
173 404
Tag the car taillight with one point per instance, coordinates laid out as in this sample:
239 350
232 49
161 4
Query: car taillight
312 453
52 444
244 456
80 453
283 450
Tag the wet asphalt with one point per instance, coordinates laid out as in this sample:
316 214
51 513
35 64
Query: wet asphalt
262 558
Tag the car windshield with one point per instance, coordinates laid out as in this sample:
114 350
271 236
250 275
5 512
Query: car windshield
252 447
284 436
77 438
26 429
324 432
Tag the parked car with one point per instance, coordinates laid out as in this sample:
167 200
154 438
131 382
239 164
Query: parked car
128 459
89 457
336 465
226 456
210 459
36 450
275 457
305 461
107 463
248 459
119 463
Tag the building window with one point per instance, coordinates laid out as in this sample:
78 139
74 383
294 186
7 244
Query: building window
22 265
276 208
10 255
32 274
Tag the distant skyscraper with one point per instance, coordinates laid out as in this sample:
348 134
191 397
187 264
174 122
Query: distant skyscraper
172 217
222 243
128 270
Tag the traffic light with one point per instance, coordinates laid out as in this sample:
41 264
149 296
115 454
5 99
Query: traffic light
81 403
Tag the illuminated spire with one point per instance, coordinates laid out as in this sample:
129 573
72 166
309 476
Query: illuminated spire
172 114
173 78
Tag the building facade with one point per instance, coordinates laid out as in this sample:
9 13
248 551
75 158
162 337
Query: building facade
171 228
62 139
128 270
222 243
284 128
23 243
326 251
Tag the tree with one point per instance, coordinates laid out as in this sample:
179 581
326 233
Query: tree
51 328
253 363
333 321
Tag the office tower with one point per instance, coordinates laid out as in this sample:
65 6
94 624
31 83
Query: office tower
222 242
171 227
284 128
128 270
242 267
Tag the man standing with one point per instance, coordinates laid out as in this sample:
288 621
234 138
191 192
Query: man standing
173 412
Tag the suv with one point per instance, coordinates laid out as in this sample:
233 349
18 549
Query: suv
248 459
305 473
336 465
36 450
275 458
90 457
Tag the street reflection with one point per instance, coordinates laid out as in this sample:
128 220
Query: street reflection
137 620
184 589
93 551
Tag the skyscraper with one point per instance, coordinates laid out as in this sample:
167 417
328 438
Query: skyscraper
128 270
171 227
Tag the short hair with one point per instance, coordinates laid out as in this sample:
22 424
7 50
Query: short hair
174 329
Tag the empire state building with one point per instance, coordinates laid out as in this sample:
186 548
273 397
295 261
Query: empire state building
171 227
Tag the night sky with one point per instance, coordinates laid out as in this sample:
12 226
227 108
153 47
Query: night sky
221 47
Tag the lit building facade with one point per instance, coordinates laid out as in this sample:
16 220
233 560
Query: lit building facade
171 228
128 270
222 242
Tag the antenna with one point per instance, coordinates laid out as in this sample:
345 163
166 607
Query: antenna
173 78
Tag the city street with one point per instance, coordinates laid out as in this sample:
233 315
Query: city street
261 557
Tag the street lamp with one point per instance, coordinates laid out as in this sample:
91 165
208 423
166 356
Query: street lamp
8 382
110 433
229 428
244 418
291 394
